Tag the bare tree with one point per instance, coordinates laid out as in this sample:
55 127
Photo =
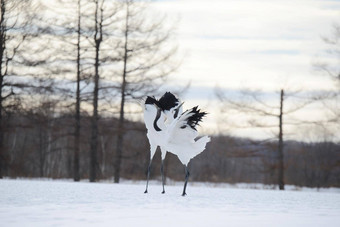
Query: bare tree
261 114
98 38
146 53
104 19
76 175
13 16
72 30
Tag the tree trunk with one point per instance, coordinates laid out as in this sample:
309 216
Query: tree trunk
2 49
120 135
76 175
119 148
94 122
280 148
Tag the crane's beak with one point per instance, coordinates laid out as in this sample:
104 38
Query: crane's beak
177 110
180 106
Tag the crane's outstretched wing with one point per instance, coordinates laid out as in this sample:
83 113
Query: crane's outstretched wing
183 128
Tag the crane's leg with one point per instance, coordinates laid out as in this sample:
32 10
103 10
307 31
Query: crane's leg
162 172
147 178
187 174
153 148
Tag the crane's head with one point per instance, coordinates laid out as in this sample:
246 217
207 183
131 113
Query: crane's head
171 106
151 102
168 101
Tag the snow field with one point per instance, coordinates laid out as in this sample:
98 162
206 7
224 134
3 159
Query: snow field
58 203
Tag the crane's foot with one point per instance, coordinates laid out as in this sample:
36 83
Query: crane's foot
187 174
146 191
163 192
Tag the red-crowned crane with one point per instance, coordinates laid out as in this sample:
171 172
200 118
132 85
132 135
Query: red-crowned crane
170 108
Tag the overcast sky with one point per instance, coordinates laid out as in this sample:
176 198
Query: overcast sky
262 44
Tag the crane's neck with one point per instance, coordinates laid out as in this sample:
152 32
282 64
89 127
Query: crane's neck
154 118
158 115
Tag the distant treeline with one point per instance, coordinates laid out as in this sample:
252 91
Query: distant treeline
42 146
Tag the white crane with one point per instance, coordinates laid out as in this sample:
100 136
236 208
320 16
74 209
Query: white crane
169 110
177 136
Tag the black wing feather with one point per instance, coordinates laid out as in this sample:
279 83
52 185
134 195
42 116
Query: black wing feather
194 120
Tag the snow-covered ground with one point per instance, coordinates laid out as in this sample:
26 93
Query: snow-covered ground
60 203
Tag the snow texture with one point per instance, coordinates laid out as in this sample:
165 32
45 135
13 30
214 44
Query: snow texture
60 203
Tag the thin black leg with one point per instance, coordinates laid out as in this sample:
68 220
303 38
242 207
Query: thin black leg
147 178
162 172
187 174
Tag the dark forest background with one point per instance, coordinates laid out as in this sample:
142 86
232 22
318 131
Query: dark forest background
42 146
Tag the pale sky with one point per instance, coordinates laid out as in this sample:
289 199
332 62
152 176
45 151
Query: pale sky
262 44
